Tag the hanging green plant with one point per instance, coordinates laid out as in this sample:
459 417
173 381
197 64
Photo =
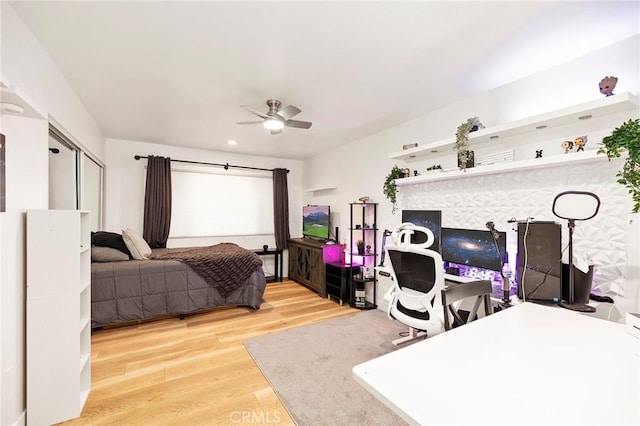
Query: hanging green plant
390 189
626 138
462 140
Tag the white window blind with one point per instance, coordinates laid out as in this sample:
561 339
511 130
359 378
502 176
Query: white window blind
207 204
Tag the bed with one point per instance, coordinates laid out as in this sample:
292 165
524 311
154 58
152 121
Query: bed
176 281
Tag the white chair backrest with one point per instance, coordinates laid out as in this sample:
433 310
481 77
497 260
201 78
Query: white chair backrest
401 241
401 236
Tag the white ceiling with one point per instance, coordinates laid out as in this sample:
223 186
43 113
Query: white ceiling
177 72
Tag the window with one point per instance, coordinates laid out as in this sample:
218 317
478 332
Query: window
206 204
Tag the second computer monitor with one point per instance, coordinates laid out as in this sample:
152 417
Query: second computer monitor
473 248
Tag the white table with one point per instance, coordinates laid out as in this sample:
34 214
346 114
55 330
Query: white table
529 364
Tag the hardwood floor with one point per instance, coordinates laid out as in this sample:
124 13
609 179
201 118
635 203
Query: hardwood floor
196 371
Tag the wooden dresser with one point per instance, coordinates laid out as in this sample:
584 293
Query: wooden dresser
307 258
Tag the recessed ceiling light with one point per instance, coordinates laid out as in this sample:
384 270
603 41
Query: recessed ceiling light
585 117
10 108
540 127
232 142
494 137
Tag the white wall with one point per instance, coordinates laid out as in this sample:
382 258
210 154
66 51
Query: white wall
27 66
125 183
360 168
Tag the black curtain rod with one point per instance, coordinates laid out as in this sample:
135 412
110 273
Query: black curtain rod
226 166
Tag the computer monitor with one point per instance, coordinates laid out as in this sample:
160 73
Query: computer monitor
473 248
430 219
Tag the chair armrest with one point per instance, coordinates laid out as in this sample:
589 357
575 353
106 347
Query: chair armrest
383 270
389 295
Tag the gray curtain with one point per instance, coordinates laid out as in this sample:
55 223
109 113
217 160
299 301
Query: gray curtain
280 207
157 202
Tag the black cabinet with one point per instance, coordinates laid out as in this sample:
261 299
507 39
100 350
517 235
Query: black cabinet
363 245
337 281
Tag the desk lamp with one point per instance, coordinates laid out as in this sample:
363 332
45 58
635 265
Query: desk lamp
572 206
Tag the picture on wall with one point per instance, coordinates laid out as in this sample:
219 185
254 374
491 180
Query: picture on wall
3 196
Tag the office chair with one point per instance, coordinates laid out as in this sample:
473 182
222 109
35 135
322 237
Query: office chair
454 294
418 278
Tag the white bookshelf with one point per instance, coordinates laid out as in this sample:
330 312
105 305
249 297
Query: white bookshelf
58 314
598 108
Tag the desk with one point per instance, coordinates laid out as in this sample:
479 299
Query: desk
529 364
277 275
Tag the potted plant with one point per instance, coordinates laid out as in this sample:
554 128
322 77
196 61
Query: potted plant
360 245
390 189
626 138
465 157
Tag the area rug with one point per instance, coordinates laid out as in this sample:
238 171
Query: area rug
310 368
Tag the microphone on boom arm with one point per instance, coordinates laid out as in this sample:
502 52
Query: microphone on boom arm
491 226
506 280
385 234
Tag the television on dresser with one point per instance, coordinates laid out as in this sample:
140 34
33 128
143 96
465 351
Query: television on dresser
316 222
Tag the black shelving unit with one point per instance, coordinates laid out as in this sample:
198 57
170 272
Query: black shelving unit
363 222
337 280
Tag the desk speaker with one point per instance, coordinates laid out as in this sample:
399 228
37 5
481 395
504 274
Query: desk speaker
539 261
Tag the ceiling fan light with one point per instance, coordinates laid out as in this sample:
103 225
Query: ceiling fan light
273 124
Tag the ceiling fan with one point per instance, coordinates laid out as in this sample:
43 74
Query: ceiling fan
276 119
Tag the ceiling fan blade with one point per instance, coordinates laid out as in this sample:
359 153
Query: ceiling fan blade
250 122
275 132
298 124
289 111
253 111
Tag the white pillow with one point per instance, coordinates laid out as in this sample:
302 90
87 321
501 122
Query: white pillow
136 244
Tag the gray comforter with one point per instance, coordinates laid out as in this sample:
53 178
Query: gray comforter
143 289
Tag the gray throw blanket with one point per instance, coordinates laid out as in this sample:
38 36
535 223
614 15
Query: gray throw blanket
224 266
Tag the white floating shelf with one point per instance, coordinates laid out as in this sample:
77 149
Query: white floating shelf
9 94
530 164
323 188
598 108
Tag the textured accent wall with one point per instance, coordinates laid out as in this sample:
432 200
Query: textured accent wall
470 202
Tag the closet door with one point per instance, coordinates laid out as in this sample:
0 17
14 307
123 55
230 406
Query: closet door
64 171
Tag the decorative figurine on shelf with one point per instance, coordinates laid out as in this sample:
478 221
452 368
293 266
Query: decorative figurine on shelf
364 199
538 153
607 85
580 142
415 173
406 173
368 249
567 146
